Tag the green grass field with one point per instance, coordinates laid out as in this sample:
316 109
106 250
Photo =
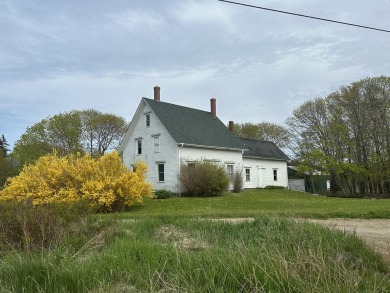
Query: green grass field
175 245
252 203
177 254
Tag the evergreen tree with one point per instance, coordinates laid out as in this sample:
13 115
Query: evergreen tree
3 146
5 162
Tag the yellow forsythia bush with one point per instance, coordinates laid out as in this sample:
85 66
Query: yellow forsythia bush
104 182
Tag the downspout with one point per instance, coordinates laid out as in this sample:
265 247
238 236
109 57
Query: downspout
180 146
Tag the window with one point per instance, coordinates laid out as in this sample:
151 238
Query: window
156 144
247 174
139 146
275 175
230 172
147 117
160 168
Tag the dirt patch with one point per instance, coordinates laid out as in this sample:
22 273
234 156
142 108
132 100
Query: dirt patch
375 232
180 239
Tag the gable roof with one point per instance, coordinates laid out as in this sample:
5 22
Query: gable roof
263 149
194 127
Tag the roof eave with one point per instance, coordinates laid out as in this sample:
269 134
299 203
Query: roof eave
211 147
124 140
264 158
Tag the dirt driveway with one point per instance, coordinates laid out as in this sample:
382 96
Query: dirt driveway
375 232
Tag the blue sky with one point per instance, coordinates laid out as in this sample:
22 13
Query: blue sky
57 56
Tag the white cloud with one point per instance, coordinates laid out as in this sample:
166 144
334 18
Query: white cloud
203 12
136 21
58 56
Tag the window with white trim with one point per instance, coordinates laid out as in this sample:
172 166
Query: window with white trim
247 174
147 119
161 172
156 144
275 173
230 171
138 145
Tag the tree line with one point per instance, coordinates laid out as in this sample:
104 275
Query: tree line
347 135
87 131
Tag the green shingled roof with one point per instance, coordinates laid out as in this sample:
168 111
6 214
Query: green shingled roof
194 127
263 149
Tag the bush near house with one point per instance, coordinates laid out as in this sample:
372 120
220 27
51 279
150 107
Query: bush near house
271 187
204 179
104 182
238 181
162 194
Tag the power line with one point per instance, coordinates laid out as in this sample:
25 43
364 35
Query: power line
307 16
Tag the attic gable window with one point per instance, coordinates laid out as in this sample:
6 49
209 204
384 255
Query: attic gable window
138 146
147 119
156 142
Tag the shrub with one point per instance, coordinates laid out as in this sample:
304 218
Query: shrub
24 227
270 187
104 182
238 181
204 179
162 194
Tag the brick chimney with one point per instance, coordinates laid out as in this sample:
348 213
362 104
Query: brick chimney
157 93
231 126
213 104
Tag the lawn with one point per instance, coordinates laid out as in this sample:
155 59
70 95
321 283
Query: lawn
170 246
260 202
178 254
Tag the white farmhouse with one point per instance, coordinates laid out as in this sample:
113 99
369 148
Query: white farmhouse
165 135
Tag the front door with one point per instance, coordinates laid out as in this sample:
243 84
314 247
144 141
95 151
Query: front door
260 180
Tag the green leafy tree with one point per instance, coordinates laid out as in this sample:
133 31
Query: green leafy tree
61 132
5 169
101 131
87 131
347 135
88 118
264 131
64 132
